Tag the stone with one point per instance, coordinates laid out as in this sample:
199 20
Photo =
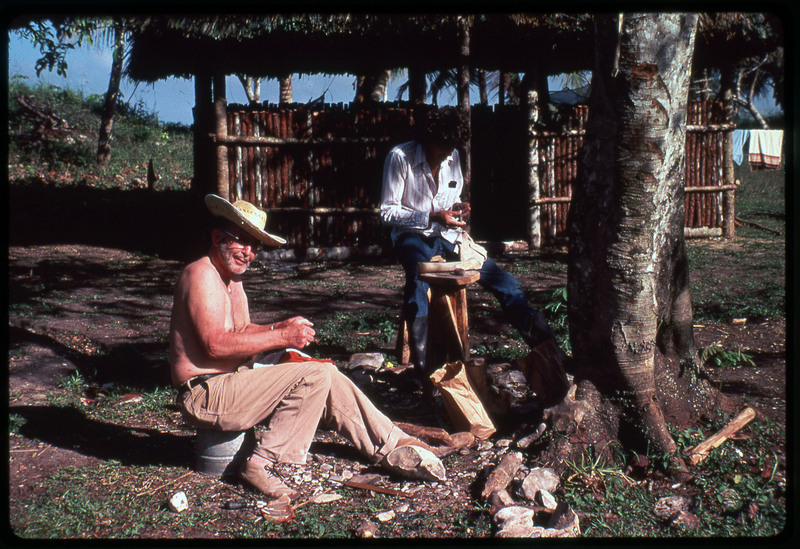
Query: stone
178 503
546 499
367 361
515 522
366 478
500 499
326 498
563 523
415 462
485 445
565 414
385 516
688 520
540 478
367 529
526 441
462 440
668 507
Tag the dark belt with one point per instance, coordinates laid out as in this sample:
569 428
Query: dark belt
190 383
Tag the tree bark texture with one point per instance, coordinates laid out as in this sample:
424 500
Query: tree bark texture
629 304
112 95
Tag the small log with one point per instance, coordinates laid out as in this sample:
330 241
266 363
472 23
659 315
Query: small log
757 225
701 232
501 477
699 452
431 435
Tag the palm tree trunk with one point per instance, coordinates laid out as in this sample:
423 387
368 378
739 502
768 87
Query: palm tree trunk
417 87
112 95
285 89
381 82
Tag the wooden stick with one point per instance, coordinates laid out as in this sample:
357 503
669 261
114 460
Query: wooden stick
373 488
758 226
165 484
699 452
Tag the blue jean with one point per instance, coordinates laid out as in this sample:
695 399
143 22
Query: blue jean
412 248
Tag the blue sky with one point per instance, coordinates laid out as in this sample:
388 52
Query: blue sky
171 99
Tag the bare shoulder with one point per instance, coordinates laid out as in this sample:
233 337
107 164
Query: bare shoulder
200 273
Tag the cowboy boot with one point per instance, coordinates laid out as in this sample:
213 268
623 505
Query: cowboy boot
544 370
418 347
537 332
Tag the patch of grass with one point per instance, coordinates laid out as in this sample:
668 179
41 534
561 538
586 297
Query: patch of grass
740 489
15 421
358 332
67 504
753 263
507 351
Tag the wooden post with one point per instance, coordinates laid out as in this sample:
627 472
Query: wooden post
534 191
729 197
221 129
463 100
202 104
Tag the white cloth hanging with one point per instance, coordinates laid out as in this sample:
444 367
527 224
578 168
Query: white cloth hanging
766 147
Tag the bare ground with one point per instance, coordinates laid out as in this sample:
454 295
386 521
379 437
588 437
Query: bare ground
105 312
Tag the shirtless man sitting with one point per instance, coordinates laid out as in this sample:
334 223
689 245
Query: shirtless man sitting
212 340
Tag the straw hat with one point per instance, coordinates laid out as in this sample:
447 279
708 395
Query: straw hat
243 214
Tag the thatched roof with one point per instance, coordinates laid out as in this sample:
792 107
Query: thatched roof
275 45
346 43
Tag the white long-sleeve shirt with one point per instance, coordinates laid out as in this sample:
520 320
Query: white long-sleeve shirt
410 192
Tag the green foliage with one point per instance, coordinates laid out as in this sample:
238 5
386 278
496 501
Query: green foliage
15 421
592 472
715 355
69 156
557 318
500 351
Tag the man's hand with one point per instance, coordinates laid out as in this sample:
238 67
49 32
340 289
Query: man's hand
297 331
448 218
463 208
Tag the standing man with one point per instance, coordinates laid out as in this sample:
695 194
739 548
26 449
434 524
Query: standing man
421 202
212 338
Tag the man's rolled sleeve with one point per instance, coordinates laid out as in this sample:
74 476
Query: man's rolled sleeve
396 171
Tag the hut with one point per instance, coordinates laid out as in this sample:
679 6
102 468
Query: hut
317 169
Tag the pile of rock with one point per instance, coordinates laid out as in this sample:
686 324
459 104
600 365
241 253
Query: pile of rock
545 518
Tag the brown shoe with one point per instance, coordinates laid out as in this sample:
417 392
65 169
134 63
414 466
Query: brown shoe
266 482
416 463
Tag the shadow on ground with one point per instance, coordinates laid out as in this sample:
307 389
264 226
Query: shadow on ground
70 429
164 223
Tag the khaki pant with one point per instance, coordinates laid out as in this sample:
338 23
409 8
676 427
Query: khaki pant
291 399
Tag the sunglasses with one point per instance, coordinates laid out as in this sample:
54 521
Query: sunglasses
255 245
